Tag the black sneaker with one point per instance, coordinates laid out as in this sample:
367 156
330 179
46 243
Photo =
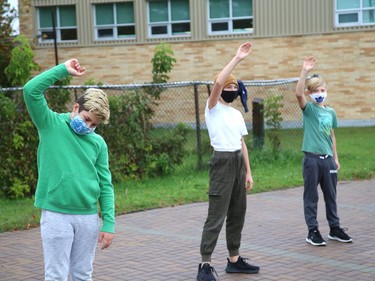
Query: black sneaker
205 272
315 238
241 266
339 234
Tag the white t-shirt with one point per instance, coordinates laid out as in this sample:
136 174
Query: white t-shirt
226 127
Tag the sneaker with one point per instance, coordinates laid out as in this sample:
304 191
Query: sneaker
241 266
339 234
315 238
206 272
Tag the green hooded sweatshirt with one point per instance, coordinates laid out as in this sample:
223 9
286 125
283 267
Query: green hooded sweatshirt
73 170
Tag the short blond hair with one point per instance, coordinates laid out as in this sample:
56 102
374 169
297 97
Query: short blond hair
95 101
314 83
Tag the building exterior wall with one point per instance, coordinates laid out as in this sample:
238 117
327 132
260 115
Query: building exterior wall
288 31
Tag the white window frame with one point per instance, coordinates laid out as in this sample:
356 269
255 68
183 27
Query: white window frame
113 26
228 20
58 28
359 11
167 24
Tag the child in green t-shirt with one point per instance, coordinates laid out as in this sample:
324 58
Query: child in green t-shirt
320 162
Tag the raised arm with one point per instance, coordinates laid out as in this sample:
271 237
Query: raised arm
243 51
308 64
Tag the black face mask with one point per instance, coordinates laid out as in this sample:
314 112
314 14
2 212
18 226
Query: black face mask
229 96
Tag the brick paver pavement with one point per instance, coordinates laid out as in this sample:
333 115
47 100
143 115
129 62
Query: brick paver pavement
163 244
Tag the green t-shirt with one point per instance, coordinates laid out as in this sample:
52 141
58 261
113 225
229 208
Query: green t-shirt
318 123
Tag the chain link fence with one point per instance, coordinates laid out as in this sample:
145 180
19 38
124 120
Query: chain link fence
153 127
184 102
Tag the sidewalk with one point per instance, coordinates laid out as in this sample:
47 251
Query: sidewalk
163 244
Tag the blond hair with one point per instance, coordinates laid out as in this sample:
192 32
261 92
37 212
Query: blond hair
314 83
95 101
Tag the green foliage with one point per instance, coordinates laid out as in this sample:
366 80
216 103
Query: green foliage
162 63
135 152
167 151
7 16
17 149
21 64
7 120
273 116
18 190
8 112
58 98
92 81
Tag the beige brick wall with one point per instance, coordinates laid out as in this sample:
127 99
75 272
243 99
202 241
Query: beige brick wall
346 60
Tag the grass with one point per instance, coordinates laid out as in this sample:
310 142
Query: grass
186 185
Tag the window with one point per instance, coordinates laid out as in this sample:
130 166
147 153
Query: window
355 12
65 23
168 18
230 16
114 21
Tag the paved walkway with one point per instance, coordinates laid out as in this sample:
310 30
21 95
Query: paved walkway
163 244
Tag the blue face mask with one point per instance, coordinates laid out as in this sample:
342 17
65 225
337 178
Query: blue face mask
79 126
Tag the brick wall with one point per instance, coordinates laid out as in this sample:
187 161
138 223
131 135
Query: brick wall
346 60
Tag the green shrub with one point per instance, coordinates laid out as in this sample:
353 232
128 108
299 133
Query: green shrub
273 117
17 149
18 190
59 99
135 152
21 64
162 63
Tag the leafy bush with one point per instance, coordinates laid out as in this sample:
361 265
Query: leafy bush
21 64
162 63
134 151
273 117
7 16
59 98
17 149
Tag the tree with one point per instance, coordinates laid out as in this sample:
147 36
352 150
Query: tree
7 16
21 64
273 115
162 63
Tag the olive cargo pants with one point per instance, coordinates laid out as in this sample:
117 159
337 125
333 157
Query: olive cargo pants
227 199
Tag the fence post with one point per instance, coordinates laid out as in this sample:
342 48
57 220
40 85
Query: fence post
198 126
258 123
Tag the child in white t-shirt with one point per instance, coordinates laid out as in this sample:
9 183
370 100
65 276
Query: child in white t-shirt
230 173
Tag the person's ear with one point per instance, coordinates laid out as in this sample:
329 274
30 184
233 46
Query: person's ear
74 109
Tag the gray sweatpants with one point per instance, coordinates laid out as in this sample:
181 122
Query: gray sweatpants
319 170
69 243
227 198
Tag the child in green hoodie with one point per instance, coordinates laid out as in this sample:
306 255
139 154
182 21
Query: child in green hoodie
73 176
